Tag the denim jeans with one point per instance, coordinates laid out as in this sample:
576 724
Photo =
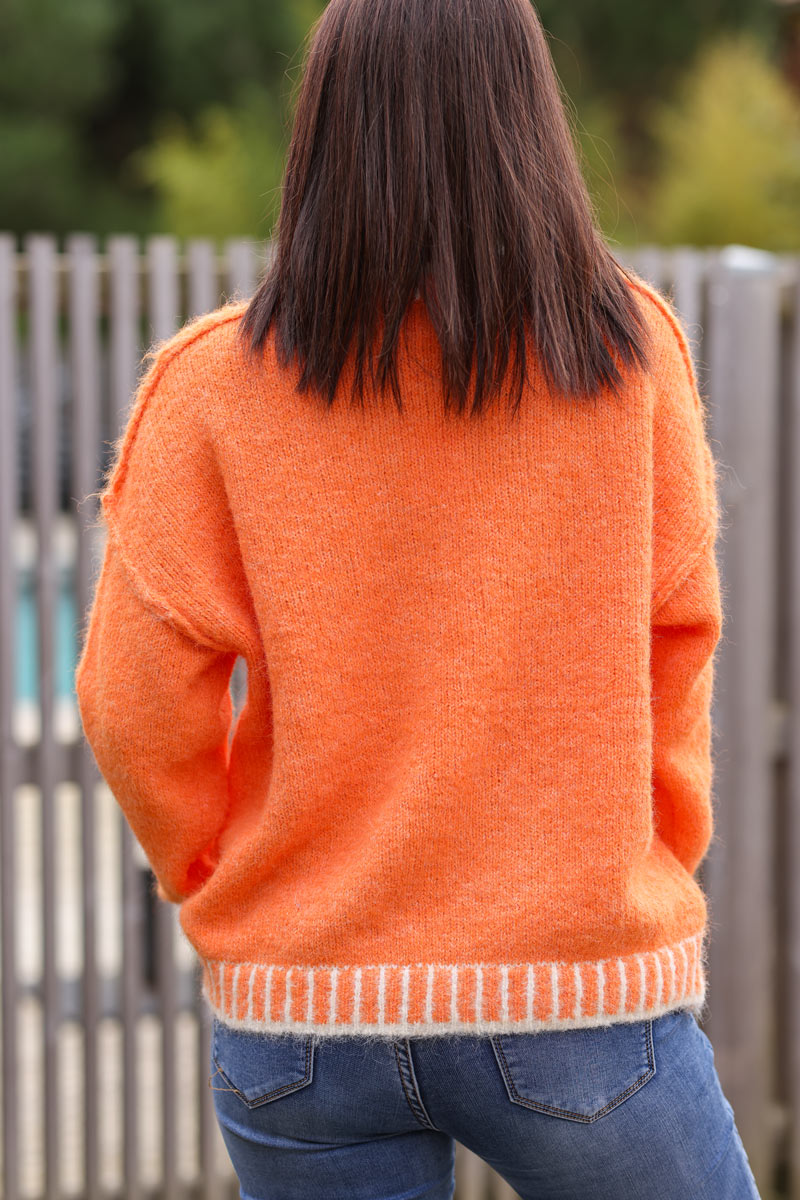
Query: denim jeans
625 1111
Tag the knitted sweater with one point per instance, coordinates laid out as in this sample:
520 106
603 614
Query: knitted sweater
471 782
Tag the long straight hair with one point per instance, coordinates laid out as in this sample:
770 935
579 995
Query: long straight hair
431 155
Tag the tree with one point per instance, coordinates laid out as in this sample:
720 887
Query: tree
729 148
55 70
222 177
85 85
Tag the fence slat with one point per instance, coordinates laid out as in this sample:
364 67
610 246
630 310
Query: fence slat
689 268
743 351
242 267
163 303
652 264
472 1175
125 306
84 297
202 282
44 303
9 754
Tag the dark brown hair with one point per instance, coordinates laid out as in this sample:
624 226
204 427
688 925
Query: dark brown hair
431 150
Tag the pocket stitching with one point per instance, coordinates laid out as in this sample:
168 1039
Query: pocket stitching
276 1092
540 1106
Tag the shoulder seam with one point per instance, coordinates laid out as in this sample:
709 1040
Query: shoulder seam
158 606
683 570
159 358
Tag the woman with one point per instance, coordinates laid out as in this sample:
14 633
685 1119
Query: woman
444 483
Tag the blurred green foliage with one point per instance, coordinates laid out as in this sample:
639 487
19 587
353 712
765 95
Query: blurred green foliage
634 52
56 68
135 115
89 86
224 178
730 162
607 160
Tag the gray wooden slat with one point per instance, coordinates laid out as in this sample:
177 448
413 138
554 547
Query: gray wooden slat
163 292
472 1175
792 880
124 352
743 352
651 263
9 766
202 283
163 309
624 255
243 265
688 267
688 274
44 392
499 1189
83 299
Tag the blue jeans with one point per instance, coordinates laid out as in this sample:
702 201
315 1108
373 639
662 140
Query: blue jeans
607 1113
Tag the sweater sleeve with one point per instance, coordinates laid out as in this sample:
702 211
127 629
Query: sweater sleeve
171 613
156 709
686 607
165 502
685 632
685 501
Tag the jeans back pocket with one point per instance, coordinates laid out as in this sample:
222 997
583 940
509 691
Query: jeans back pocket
576 1074
261 1067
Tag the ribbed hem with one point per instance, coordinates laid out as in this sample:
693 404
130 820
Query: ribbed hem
437 999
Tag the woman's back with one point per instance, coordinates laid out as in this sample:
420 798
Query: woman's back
456 797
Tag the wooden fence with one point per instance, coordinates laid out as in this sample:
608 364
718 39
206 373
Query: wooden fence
103 1028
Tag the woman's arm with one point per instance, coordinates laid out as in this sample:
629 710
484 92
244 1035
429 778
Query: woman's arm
156 709
686 607
685 633
170 615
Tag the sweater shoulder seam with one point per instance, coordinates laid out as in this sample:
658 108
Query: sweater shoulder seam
154 602
682 571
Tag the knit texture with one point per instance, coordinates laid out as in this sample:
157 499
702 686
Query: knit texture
472 780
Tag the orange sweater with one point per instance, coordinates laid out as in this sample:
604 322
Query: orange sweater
471 783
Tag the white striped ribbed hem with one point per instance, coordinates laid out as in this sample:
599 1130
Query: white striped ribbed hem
427 999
